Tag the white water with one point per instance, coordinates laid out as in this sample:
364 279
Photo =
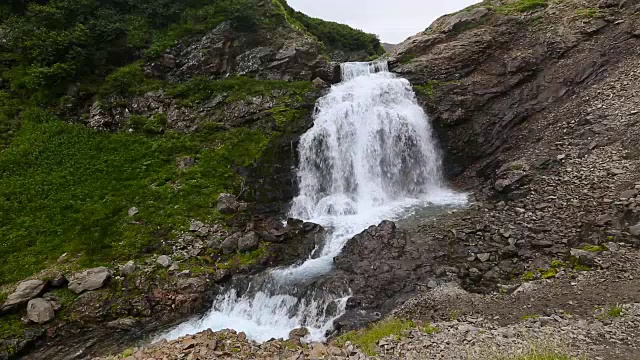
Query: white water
370 156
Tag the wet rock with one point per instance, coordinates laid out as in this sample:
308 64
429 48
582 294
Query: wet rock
25 291
248 242
40 311
298 333
91 279
164 261
227 204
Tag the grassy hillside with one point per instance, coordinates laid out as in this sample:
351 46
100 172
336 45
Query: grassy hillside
65 188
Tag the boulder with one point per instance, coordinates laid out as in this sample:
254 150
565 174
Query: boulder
583 257
230 244
249 242
133 211
298 333
128 268
164 261
89 280
26 291
40 311
227 204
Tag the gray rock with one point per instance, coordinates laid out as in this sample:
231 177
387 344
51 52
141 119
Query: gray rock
583 257
319 83
227 204
230 244
628 194
195 226
26 291
603 4
461 19
164 261
484 257
617 171
249 242
40 311
133 211
91 279
635 230
128 268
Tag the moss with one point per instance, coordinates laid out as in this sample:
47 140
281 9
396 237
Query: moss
548 274
595 248
528 276
529 316
536 354
557 264
588 13
580 267
427 89
367 339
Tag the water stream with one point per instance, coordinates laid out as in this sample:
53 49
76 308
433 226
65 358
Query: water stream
369 156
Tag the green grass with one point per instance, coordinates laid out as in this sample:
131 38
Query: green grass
367 340
539 355
548 274
66 296
588 13
11 326
66 189
614 312
430 329
521 6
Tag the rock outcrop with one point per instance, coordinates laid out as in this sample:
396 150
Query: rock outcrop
91 279
25 291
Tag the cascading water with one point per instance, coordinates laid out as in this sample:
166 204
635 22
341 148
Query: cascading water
370 156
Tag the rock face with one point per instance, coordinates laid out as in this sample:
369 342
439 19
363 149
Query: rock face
26 291
40 311
481 73
91 279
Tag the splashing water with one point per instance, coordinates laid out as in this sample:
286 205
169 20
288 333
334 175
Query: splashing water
370 156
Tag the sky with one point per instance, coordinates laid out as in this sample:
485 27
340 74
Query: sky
392 20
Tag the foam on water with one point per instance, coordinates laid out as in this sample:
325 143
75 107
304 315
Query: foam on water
370 156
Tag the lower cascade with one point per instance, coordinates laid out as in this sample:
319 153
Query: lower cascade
370 156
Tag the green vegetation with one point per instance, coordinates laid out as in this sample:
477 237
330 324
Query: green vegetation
530 316
406 59
589 13
65 188
427 89
550 273
11 326
367 339
614 311
430 329
66 296
528 276
595 248
537 355
336 36
521 6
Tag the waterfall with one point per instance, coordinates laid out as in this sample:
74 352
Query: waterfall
369 156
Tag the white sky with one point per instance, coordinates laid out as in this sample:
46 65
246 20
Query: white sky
392 20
